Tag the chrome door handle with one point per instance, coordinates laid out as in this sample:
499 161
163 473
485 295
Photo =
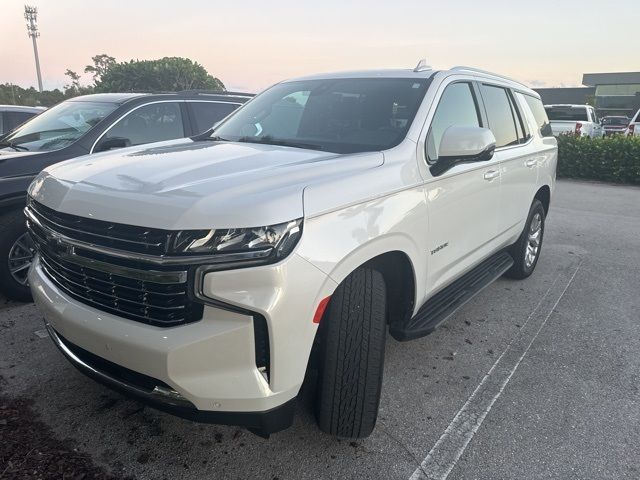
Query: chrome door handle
531 163
491 174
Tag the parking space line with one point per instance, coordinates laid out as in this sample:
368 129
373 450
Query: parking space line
446 452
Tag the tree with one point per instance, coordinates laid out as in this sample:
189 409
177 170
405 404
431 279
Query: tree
74 78
166 74
101 63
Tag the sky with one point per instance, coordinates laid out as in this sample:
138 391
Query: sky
250 45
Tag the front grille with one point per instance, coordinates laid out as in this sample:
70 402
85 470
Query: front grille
124 288
152 241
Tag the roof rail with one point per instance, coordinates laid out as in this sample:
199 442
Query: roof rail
216 92
486 72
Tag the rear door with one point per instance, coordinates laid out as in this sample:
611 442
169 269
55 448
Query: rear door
464 201
205 114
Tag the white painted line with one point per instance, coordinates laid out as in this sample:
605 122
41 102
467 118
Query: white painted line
446 452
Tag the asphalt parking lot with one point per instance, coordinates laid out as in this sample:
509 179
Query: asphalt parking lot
533 379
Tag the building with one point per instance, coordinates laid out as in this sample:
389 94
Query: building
572 95
610 93
616 93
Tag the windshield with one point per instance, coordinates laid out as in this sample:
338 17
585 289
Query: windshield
57 127
571 114
622 121
337 115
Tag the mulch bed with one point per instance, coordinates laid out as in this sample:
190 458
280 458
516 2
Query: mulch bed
30 450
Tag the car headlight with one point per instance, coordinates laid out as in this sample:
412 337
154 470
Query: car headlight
268 243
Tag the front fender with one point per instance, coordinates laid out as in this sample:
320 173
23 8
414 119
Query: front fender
340 241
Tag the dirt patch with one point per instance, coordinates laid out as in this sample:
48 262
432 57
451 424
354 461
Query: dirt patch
29 449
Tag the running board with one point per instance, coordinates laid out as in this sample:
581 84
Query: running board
444 303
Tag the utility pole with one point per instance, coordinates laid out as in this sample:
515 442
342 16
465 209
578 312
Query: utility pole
31 15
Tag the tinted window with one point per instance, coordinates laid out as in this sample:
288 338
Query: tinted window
60 126
521 123
540 114
500 115
206 114
570 114
342 115
457 106
13 119
151 123
620 121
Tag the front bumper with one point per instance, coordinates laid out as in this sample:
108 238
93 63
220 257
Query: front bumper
211 363
122 380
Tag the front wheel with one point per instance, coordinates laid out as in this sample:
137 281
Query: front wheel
352 335
526 251
16 254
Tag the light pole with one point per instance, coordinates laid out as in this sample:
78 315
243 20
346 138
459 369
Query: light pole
31 15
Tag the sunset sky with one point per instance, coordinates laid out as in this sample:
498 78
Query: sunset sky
250 45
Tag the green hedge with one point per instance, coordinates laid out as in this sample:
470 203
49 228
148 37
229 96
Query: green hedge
610 159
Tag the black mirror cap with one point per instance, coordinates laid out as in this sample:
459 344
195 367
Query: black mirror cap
111 143
445 163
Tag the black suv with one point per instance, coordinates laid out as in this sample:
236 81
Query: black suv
81 126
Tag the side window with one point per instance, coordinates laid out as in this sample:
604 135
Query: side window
594 116
206 114
151 123
501 118
521 121
457 106
540 114
13 119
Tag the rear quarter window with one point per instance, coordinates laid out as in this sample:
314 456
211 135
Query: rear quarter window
206 114
540 114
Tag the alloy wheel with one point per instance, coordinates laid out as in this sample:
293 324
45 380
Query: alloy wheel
533 240
20 258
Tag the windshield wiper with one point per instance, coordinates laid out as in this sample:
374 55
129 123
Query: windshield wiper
268 140
17 148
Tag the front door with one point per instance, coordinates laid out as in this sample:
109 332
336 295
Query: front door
464 201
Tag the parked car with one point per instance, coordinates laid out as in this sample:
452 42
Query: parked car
578 120
633 129
199 275
87 125
613 125
13 115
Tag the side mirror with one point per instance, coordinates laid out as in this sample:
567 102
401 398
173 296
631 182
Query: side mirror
463 145
111 143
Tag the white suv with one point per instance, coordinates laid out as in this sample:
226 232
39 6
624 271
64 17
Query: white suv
200 275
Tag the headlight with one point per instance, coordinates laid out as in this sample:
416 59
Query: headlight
270 242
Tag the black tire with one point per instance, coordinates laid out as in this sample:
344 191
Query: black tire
12 227
353 334
523 267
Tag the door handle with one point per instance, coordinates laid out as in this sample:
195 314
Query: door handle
491 174
531 163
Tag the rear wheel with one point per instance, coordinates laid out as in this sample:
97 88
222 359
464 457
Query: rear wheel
352 335
16 254
526 250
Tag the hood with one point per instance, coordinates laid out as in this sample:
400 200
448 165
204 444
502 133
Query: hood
192 185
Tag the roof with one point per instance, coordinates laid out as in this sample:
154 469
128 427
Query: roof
120 98
21 108
616 78
388 73
417 73
107 97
